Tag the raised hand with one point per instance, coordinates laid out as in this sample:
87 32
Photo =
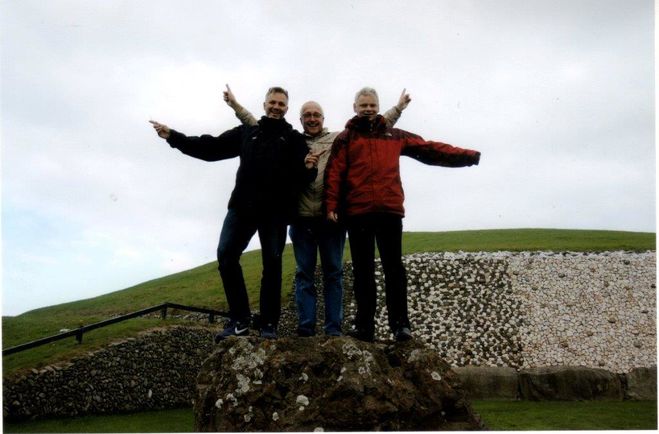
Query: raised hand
403 101
229 97
162 129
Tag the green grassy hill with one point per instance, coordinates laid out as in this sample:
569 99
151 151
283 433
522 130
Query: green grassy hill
201 287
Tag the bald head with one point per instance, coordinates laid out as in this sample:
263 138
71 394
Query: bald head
311 105
312 118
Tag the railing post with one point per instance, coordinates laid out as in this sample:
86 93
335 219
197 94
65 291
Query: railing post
79 335
211 318
163 312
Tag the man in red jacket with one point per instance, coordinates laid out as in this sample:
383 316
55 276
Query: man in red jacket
363 187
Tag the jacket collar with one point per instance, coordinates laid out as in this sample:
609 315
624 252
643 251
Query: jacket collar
270 124
323 133
363 125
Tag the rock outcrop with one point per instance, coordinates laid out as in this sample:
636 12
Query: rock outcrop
334 384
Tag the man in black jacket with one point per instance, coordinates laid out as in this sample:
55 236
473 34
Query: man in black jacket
274 167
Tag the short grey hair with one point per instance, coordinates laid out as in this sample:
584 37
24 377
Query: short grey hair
367 91
276 89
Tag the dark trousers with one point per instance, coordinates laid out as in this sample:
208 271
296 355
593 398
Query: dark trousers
237 230
364 232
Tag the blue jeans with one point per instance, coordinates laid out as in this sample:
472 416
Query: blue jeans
237 230
310 236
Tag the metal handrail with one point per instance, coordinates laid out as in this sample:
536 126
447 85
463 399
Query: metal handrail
83 329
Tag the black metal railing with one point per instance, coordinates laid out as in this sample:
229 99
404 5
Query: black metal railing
77 333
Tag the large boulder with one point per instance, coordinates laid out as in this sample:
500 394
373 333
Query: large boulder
641 384
334 384
485 382
569 383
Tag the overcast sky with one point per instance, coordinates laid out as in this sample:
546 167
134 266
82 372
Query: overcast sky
558 95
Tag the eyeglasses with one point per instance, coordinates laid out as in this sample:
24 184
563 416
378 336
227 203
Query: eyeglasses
312 115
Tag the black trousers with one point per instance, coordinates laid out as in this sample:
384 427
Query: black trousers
237 230
364 232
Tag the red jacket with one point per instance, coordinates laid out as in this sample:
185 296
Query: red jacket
363 173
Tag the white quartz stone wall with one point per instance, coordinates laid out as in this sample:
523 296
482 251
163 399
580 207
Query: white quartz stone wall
532 309
588 310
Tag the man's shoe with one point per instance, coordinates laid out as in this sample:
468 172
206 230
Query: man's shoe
362 335
269 331
403 334
233 328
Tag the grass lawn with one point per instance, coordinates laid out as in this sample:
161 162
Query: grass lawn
498 416
563 415
178 420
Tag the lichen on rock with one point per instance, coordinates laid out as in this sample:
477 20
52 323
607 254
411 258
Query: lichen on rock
350 386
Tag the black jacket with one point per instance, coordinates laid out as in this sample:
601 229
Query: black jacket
271 174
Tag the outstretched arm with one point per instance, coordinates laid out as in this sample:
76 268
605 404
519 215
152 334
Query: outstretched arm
437 153
245 117
205 147
392 115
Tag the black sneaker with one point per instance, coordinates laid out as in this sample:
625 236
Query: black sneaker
269 331
361 334
233 328
403 334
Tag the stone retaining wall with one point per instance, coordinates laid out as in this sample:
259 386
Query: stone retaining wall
156 370
509 312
